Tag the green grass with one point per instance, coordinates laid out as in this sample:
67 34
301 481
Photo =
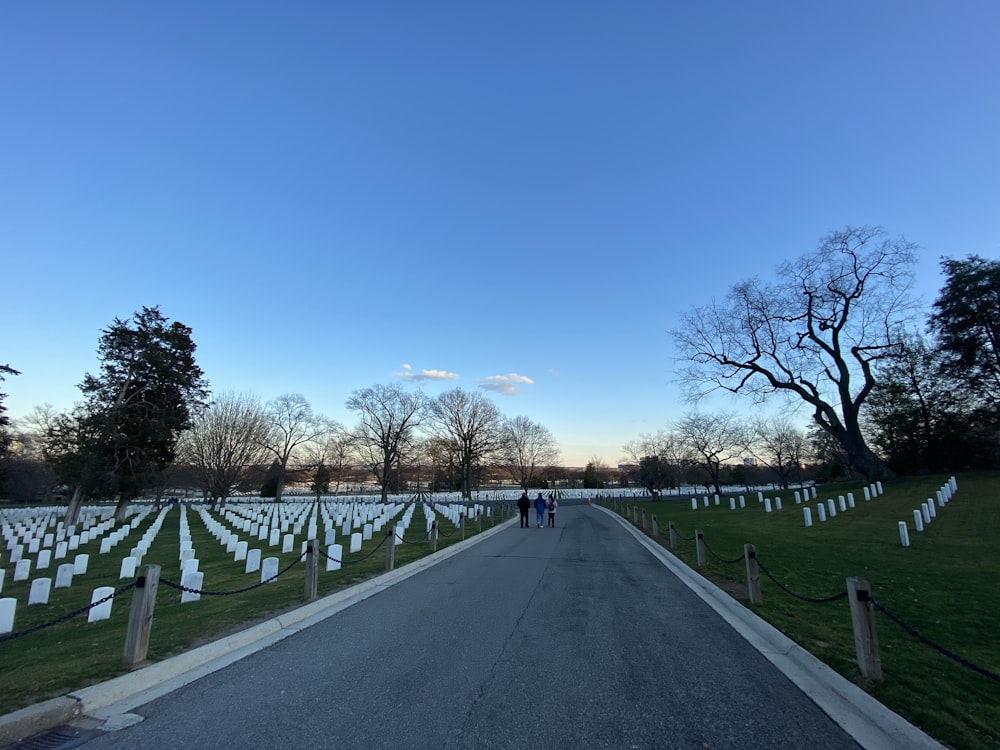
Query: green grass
944 586
58 659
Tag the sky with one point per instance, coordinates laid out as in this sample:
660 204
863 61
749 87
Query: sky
515 197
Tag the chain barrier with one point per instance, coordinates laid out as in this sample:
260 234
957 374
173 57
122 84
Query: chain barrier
421 540
360 559
812 600
712 552
940 649
65 617
188 589
685 538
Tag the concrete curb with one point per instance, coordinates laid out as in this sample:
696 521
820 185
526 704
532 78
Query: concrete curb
871 724
107 700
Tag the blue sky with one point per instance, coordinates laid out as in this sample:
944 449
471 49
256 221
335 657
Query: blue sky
522 196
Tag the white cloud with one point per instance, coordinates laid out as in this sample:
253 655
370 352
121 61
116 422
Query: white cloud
407 373
505 384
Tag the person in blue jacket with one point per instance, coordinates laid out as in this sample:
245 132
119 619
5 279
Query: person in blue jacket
540 509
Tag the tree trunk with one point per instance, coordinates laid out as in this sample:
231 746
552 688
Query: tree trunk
121 509
861 458
75 504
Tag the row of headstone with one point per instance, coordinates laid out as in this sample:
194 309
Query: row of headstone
926 513
39 595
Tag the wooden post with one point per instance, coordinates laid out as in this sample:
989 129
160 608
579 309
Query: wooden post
140 616
390 547
859 594
672 538
643 519
312 570
699 546
656 528
461 522
434 536
635 514
479 520
753 574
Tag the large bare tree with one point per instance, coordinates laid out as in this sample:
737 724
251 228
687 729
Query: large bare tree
472 425
292 424
814 335
226 441
526 448
389 417
660 459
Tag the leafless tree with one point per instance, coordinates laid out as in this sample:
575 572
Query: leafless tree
709 442
815 334
526 448
225 442
472 425
779 445
330 455
292 424
389 418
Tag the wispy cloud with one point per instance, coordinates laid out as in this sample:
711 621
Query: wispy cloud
505 384
407 373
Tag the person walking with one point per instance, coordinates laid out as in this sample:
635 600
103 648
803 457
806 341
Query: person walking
553 505
523 503
540 509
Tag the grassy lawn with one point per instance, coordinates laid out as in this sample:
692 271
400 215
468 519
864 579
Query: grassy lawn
73 654
944 587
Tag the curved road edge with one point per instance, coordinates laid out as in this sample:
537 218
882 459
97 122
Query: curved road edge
870 723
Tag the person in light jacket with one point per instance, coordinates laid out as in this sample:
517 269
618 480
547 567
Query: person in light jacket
552 507
540 509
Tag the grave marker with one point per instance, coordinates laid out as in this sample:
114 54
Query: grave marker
101 611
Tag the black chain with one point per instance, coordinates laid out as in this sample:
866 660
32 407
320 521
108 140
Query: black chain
190 590
712 552
940 649
783 587
422 539
360 559
65 617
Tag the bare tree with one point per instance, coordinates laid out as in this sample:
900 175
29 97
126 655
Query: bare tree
659 457
328 458
779 445
472 425
526 448
389 417
814 335
226 441
710 441
292 424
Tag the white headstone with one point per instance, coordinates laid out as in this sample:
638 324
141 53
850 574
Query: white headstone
767 505
732 503
843 503
288 543
275 537
39 593
22 569
129 565
241 551
743 502
7 607
192 579
64 575
101 611
61 549
918 520
330 537
904 535
926 513
694 503
189 566
850 499
44 558
366 532
356 542
335 553
931 509
807 516
253 561
269 568
868 493
80 563
831 507
777 503
820 512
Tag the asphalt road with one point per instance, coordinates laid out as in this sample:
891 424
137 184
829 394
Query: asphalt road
573 637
